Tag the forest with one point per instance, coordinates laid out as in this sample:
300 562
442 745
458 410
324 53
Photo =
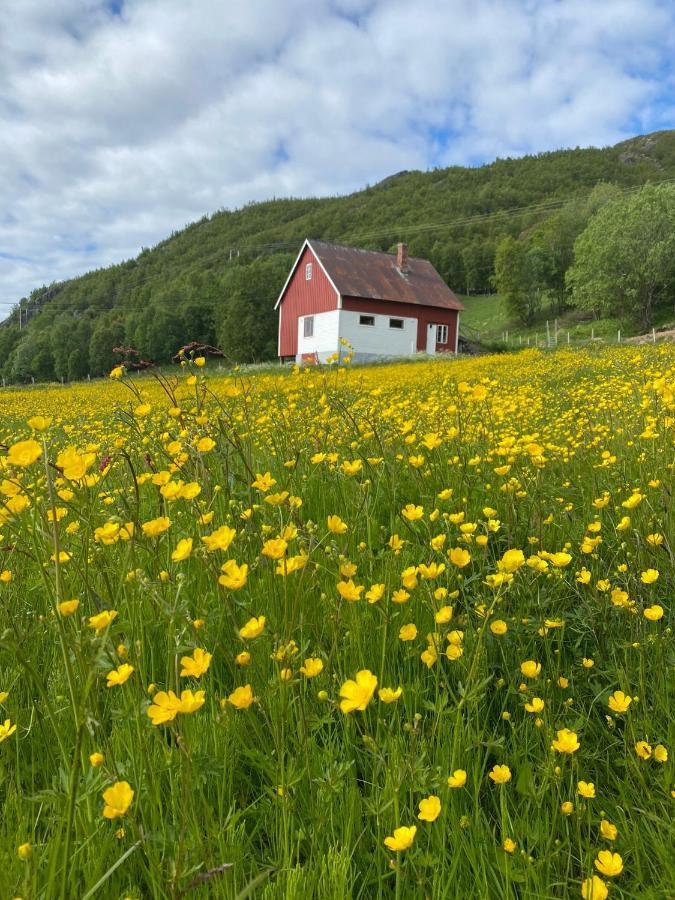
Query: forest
588 228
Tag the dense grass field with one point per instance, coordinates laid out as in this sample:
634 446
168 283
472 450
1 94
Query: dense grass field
392 632
489 316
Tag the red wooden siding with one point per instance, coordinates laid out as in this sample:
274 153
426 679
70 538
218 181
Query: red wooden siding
303 298
423 314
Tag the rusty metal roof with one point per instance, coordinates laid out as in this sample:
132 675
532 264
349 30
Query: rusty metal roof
375 276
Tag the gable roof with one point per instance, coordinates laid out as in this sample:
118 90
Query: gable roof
373 275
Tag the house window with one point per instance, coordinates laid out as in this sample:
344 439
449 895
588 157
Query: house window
308 326
366 320
308 272
396 323
441 334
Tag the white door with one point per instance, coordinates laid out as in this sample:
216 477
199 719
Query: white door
431 338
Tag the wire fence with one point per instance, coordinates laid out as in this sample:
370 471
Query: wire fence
552 336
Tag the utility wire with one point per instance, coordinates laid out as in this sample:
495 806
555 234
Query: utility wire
398 229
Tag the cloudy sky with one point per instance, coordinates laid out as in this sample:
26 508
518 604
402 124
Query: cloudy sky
121 120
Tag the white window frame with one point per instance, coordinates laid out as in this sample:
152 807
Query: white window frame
370 324
308 272
308 326
400 324
441 334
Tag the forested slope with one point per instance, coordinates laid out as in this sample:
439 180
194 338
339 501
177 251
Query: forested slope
217 279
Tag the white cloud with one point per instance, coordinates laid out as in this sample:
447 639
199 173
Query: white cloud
120 122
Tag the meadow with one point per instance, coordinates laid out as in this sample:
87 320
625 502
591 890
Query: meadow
401 631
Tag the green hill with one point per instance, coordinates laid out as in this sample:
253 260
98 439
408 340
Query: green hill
216 280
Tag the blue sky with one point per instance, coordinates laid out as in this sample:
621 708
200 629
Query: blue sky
122 120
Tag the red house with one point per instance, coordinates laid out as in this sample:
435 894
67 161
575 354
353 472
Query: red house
384 305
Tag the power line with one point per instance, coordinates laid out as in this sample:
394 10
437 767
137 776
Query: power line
398 229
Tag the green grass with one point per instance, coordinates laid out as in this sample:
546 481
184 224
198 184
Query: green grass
532 452
488 316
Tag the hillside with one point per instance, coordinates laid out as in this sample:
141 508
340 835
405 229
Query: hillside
216 280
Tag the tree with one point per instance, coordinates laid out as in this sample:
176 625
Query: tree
520 277
624 260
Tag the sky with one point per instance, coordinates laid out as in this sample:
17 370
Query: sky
123 120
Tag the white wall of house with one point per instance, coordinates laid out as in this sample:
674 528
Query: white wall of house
325 337
379 339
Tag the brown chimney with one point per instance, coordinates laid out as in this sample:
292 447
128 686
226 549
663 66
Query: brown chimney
402 257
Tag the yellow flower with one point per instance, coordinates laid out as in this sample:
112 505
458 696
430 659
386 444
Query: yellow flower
511 561
660 753
400 596
274 548
24 851
430 809
412 513
408 632
196 665
500 774
530 668
39 423
350 591
68 607
234 576
586 789
119 675
190 702
457 779
536 705
253 628
587 663
313 666
444 615
649 576
157 526
402 838
653 613
498 627
165 707
566 741
6 730
220 539
459 557
183 550
117 799
241 697
96 759
356 695
509 845
432 571
263 482
102 620
375 593
5 576
608 863
567 808
643 749
389 695
243 658
336 525
430 655
24 453
205 445
560 560
608 831
594 888
619 702
634 500
199 361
